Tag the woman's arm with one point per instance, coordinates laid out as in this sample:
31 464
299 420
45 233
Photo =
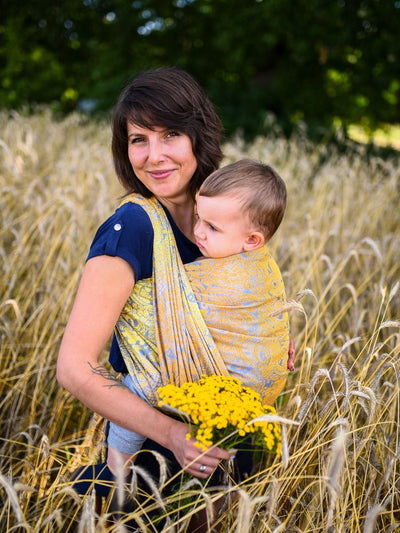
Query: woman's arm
105 286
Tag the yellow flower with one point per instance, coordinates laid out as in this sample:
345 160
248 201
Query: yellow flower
220 408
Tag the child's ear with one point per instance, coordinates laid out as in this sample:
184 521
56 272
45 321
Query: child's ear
253 241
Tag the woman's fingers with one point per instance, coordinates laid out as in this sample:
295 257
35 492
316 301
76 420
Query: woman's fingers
200 470
202 467
192 459
203 463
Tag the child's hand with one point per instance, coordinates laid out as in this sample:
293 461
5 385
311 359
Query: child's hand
291 353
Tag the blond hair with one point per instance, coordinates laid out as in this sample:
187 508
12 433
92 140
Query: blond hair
259 187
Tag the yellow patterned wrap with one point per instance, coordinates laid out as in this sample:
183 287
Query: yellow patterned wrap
213 316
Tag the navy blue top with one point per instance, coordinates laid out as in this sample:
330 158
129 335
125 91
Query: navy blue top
128 234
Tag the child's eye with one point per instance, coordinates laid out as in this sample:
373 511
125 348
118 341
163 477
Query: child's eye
212 228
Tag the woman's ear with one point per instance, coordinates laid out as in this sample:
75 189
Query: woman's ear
254 240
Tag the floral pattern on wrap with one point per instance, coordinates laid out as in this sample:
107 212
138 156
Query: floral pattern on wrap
240 297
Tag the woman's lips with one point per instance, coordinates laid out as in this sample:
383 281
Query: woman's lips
160 174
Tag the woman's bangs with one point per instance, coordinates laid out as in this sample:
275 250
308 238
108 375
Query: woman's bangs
151 117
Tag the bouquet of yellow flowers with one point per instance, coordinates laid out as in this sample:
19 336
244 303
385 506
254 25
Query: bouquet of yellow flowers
221 411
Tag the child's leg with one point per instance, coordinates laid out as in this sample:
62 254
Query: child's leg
122 448
122 443
117 461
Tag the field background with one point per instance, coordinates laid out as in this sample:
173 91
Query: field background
339 252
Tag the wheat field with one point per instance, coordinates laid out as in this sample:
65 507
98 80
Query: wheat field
339 252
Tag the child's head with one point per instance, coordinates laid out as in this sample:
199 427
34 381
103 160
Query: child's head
239 208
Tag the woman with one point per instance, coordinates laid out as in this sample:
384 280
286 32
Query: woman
166 140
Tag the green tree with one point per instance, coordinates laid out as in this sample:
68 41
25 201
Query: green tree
308 60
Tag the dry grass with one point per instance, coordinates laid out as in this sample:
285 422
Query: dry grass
339 250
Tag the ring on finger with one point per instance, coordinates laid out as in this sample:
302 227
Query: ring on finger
202 468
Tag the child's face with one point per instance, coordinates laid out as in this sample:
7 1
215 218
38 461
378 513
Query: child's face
222 228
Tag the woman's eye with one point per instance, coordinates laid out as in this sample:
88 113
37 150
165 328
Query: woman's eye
173 133
136 140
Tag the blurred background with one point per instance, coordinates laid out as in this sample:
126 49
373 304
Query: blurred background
320 63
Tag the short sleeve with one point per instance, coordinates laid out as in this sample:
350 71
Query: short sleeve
128 234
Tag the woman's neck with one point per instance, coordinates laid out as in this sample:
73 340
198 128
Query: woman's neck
183 215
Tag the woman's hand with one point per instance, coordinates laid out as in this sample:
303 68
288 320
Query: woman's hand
291 354
191 458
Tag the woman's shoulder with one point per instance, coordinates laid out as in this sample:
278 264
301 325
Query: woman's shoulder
127 233
128 217
131 212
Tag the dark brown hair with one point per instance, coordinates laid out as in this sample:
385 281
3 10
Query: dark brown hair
259 187
171 98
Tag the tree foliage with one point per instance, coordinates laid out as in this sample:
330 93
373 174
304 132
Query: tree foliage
309 60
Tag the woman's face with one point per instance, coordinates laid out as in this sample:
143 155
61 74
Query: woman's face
163 160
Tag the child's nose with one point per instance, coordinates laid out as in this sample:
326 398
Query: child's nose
198 232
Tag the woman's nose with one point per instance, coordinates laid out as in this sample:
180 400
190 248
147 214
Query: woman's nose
155 151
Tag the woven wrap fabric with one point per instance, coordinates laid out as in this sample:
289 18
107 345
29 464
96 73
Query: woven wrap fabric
213 316
240 298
